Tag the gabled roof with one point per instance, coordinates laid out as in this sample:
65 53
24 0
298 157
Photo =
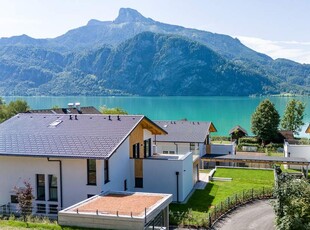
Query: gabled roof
239 128
185 131
286 134
54 135
81 110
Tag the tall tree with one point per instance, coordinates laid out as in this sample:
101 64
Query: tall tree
265 121
293 116
116 110
14 107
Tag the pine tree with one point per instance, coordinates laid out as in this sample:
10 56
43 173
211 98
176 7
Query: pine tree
265 121
293 116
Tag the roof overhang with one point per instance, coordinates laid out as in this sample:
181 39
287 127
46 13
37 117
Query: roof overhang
212 128
154 128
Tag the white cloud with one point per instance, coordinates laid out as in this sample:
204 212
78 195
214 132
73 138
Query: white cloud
296 51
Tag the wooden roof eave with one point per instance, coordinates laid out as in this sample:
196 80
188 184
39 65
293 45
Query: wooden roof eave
308 129
212 128
151 126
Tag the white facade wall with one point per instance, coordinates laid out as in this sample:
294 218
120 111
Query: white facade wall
14 170
223 148
159 175
179 148
187 176
74 180
202 149
119 170
302 151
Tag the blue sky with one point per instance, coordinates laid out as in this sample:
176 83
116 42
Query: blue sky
279 28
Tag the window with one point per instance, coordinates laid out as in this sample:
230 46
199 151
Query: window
171 152
138 182
41 208
90 195
91 172
147 148
40 186
136 150
165 152
125 185
106 171
192 147
52 187
53 208
14 199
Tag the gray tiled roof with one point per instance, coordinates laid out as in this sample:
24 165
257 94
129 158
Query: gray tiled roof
90 136
183 131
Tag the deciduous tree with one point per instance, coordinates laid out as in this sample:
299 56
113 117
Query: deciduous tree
292 204
24 198
117 110
265 121
14 107
293 116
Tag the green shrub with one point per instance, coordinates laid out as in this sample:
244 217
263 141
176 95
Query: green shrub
273 146
220 138
249 140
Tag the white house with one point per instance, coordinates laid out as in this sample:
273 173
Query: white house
189 136
296 150
184 136
68 158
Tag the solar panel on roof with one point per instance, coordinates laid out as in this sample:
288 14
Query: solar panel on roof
55 123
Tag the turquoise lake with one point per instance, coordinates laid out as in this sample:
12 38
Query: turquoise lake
224 112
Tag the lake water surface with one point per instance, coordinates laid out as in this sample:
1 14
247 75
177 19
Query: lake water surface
224 112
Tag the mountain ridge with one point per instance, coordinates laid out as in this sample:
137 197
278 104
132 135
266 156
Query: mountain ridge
105 38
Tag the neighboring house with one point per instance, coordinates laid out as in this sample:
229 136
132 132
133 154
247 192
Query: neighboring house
188 136
68 158
237 132
71 109
184 136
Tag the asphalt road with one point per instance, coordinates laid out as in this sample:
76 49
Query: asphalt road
258 215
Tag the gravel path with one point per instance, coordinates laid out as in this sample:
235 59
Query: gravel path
258 215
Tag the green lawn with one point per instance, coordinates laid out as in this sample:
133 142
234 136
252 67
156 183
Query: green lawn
215 192
40 225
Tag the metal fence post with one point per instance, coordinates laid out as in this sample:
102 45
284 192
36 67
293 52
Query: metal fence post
210 223
263 192
221 207
242 195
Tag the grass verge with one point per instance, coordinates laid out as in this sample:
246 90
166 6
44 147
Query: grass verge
202 201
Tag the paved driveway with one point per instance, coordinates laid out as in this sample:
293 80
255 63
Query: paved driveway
258 215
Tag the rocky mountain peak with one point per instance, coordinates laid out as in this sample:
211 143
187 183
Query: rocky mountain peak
130 15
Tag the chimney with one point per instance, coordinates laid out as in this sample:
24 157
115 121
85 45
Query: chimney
110 118
78 106
75 117
70 117
70 105
118 118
